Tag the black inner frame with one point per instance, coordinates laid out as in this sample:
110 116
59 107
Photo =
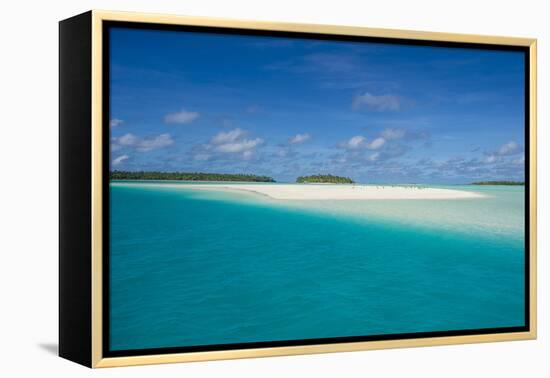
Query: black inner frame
107 352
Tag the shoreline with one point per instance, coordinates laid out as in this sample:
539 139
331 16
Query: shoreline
351 192
335 192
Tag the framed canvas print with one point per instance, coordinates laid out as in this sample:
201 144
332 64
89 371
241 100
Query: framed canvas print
236 189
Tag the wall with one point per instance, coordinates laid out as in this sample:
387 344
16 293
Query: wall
28 140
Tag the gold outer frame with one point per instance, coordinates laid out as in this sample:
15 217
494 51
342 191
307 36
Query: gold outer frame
97 353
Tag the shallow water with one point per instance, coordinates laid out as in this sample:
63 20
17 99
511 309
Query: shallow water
192 267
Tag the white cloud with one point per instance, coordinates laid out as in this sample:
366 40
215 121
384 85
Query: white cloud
239 146
490 159
373 157
359 142
354 143
228 137
115 122
283 152
162 140
519 161
119 160
143 145
231 142
509 148
202 156
127 140
300 138
181 117
376 144
393 133
380 103
114 144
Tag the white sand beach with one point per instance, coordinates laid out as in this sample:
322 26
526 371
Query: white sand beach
342 192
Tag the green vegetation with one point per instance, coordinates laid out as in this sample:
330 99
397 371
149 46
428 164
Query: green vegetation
324 179
187 176
498 183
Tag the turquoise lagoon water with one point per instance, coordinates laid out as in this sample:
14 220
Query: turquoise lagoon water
194 267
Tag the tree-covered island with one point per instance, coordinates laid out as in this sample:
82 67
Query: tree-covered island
324 179
498 183
187 176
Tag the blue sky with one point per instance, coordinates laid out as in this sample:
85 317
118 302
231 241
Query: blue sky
183 101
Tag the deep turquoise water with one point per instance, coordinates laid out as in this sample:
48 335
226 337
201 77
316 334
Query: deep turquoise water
194 267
